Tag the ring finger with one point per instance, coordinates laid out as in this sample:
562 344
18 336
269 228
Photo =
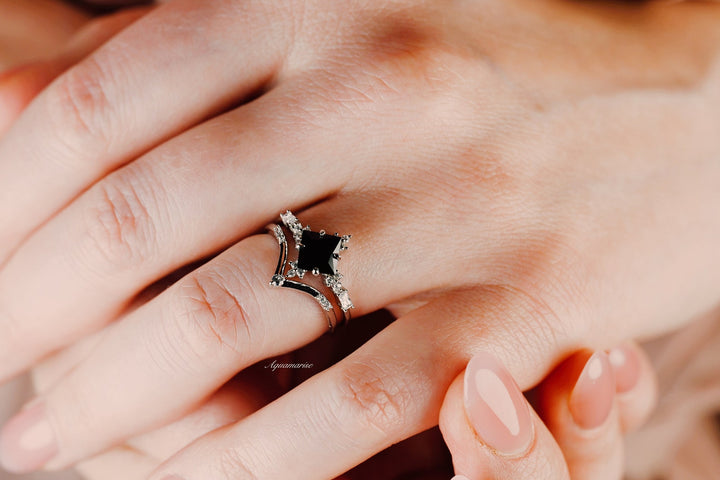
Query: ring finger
151 217
169 354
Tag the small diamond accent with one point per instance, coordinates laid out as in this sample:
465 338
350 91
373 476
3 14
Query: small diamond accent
295 271
294 225
345 302
279 234
324 302
288 218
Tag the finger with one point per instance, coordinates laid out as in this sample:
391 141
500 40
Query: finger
114 105
197 334
636 382
492 431
423 453
589 401
122 463
52 369
139 457
142 222
179 348
243 395
577 403
389 389
150 218
21 85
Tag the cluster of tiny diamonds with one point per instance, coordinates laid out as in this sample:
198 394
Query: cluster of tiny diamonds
294 225
333 281
295 271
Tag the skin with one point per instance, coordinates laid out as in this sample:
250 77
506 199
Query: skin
586 455
579 162
561 450
20 17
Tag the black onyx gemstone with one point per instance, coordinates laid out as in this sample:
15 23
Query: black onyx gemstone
319 252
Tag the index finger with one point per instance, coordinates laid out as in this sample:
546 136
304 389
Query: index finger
127 97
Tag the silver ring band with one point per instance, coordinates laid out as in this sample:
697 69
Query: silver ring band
318 254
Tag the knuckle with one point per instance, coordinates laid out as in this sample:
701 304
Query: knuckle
120 228
535 326
218 312
231 464
80 107
375 397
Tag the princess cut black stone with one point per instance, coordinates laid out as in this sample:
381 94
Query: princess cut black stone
319 252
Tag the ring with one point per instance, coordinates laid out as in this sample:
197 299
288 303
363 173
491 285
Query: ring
318 254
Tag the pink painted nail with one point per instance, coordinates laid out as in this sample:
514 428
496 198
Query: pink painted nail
592 398
626 366
27 442
495 406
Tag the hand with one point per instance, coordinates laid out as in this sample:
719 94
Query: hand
247 392
591 452
583 413
489 134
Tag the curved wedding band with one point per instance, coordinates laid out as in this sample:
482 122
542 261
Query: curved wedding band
318 254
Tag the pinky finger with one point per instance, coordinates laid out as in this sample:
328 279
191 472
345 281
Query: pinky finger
636 385
492 431
577 402
590 400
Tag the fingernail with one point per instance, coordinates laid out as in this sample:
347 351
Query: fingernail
460 477
592 397
27 442
495 406
626 366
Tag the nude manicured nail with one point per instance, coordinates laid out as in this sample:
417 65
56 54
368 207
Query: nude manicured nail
496 408
592 398
27 442
626 366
